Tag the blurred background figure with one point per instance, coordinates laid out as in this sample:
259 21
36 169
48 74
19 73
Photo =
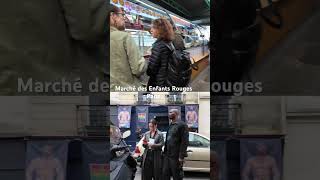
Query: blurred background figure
50 40
262 166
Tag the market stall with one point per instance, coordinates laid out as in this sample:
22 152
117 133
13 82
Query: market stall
139 15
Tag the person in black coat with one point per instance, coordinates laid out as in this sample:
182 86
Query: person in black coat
152 159
161 53
175 149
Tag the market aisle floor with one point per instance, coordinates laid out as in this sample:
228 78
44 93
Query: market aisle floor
293 66
202 81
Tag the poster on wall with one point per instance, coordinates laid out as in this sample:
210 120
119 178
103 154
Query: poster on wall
175 107
191 113
46 160
95 161
261 159
218 161
99 172
142 117
124 116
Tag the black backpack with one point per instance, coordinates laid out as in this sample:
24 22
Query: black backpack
179 67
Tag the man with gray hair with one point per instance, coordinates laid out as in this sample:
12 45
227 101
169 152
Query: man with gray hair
175 149
127 65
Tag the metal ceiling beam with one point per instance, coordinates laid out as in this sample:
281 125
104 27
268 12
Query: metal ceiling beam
204 21
177 7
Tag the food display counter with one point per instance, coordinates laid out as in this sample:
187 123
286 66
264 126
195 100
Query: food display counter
143 39
139 16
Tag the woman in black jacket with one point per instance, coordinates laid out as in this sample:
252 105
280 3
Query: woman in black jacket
152 159
161 53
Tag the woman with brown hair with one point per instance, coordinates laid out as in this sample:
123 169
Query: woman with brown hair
161 53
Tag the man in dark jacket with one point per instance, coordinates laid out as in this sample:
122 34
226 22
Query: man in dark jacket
175 150
49 40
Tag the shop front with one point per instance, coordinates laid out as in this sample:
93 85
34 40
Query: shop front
137 118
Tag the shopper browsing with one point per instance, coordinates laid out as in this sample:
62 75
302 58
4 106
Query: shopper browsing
169 65
126 62
162 30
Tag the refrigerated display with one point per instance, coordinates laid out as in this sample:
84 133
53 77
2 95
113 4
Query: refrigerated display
143 39
138 24
139 16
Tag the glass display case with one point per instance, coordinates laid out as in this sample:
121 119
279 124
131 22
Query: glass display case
143 39
138 23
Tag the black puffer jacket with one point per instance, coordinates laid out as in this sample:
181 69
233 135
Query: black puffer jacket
158 64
